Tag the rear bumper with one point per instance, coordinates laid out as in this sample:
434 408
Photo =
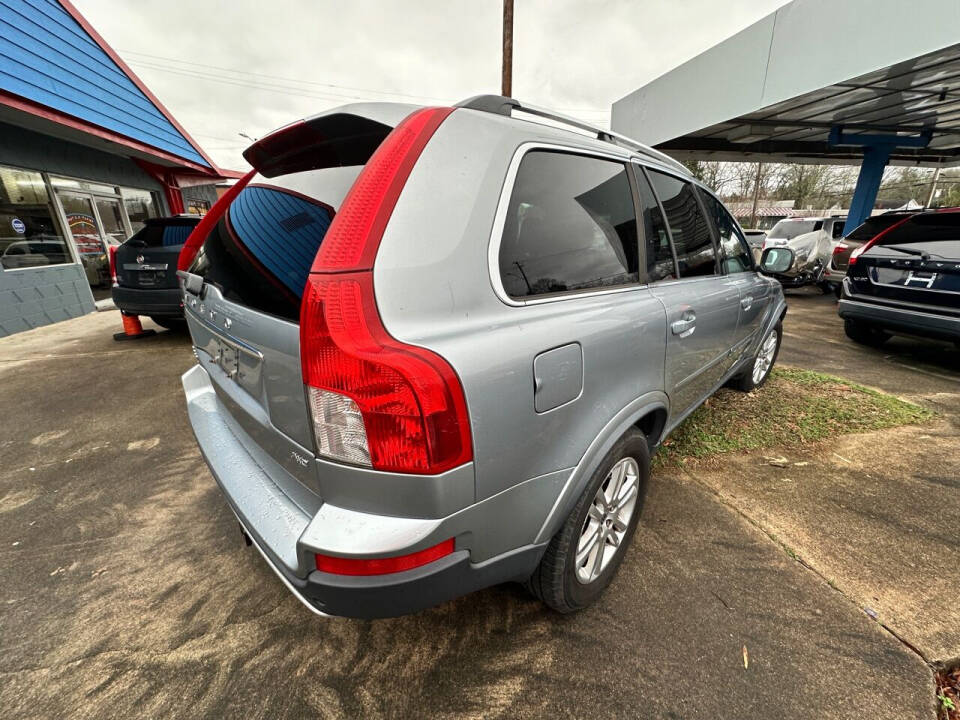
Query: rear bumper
900 320
162 302
288 537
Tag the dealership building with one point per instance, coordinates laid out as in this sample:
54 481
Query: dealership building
87 153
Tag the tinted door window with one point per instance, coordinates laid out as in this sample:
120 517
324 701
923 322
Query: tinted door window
570 226
660 264
837 229
696 255
736 252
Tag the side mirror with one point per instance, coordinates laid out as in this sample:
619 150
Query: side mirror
776 260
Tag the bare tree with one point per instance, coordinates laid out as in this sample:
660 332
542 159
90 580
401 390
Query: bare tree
715 175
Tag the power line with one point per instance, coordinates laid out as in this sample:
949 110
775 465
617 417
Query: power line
240 82
153 64
285 79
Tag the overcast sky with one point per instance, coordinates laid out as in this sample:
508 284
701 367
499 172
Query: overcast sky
248 66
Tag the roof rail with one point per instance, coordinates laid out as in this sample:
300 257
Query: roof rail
501 105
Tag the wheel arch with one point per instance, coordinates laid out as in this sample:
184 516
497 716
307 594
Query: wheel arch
648 411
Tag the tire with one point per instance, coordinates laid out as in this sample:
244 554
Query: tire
864 333
748 380
559 581
171 323
826 287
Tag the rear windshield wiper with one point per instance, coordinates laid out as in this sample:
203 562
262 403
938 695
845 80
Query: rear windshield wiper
911 251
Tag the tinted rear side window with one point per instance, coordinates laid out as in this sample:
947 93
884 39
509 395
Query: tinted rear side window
696 254
570 225
261 251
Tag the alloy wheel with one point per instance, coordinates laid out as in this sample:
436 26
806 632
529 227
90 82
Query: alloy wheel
607 520
761 366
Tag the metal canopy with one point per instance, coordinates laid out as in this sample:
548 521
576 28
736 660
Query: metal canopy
776 90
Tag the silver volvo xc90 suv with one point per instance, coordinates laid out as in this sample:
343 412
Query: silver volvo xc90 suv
437 346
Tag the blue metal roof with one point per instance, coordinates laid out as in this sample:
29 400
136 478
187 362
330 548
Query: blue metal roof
47 57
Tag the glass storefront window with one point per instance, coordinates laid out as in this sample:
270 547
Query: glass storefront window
140 205
28 232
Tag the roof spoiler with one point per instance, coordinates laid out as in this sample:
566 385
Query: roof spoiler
336 140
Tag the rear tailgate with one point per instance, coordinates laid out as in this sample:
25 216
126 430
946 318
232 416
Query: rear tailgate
254 264
148 260
916 263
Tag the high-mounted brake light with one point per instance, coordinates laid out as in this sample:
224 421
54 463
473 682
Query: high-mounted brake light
376 401
383 566
863 248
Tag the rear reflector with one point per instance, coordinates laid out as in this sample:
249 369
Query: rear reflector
412 411
383 566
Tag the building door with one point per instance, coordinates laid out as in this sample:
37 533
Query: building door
95 223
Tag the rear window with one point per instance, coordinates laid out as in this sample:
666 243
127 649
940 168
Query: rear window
925 227
570 226
260 252
789 229
163 235
872 226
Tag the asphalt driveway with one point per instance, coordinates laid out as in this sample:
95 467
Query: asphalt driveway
126 589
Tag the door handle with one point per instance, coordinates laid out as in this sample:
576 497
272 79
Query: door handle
685 326
747 302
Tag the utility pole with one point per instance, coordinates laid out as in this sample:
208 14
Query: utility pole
933 186
506 83
756 196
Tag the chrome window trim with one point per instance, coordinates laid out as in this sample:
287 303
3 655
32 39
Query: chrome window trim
500 218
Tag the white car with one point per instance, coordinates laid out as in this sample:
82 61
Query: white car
812 240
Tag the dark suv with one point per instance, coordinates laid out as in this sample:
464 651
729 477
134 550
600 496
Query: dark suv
145 270
906 280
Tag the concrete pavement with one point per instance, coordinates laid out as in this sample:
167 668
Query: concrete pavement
126 590
877 514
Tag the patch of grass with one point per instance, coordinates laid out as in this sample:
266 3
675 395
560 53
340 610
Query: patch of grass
793 408
948 694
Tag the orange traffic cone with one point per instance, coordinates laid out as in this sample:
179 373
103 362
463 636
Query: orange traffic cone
132 329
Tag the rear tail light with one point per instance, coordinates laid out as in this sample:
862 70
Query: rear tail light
113 265
863 248
383 566
375 401
195 240
840 248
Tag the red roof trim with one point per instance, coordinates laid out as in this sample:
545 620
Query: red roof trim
97 38
29 106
